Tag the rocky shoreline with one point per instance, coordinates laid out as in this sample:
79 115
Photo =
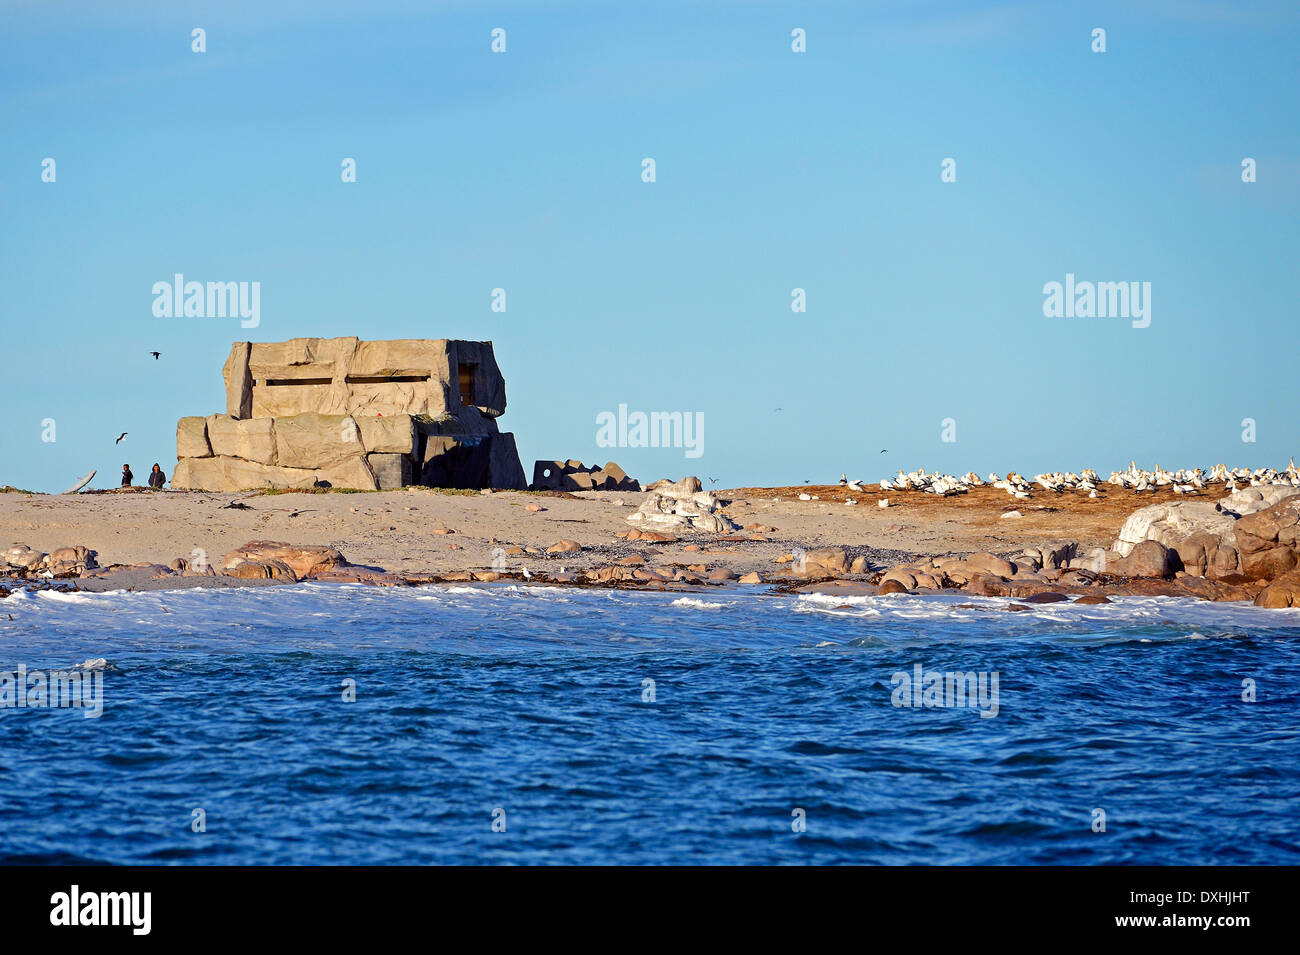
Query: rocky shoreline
679 537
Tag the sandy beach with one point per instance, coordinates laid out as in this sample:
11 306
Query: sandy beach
407 530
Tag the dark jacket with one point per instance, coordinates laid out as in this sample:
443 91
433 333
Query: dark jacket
127 478
157 478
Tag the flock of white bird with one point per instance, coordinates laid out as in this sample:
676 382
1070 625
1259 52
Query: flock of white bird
1183 481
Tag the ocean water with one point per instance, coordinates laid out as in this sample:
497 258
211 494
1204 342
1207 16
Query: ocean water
505 724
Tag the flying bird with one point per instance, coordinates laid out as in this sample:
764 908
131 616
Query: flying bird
714 480
120 437
883 451
155 354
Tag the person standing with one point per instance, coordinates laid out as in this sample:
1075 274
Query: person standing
156 478
127 476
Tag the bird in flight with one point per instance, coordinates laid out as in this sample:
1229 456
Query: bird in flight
714 480
155 354
884 451
120 437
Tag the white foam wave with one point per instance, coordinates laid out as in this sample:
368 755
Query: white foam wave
698 604
963 607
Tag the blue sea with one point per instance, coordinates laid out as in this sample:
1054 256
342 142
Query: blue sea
339 724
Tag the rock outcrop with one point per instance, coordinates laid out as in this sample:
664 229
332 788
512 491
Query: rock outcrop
1147 559
683 506
281 561
1251 499
1268 540
19 560
1173 524
822 562
1283 592
1248 532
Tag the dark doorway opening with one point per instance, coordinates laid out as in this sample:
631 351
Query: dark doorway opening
466 373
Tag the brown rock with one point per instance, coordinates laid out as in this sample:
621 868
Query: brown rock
751 578
1268 540
564 546
71 561
1269 525
1147 559
1283 592
303 561
906 576
891 586
360 575
22 557
988 585
824 562
268 569
1269 563
1045 597
1185 587
1093 599
989 564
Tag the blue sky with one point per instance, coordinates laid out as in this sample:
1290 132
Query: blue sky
775 170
